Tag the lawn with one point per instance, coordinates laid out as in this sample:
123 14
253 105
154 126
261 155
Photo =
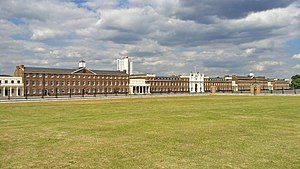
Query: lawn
157 132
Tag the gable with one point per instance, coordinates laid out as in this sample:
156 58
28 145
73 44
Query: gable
84 71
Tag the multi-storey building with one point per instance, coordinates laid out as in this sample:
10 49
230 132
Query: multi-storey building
125 65
81 81
196 82
11 86
244 82
280 84
221 84
165 84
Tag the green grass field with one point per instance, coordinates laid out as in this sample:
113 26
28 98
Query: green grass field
162 132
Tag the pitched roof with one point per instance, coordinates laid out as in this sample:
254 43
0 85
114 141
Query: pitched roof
69 71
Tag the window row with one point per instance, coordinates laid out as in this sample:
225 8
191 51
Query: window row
76 91
74 76
169 89
11 81
168 84
74 83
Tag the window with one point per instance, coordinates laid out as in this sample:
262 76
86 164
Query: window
17 81
74 83
0 81
68 83
33 83
40 83
40 75
12 82
46 83
89 83
57 83
6 81
62 83
52 83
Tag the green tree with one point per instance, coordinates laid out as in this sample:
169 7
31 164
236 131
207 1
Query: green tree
296 81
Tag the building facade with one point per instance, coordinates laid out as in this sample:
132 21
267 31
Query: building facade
125 65
11 86
220 84
196 82
81 81
139 86
165 84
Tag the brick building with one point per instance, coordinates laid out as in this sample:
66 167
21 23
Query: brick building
165 84
221 84
81 81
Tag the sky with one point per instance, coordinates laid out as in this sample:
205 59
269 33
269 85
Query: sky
163 37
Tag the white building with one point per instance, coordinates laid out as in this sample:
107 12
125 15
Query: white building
234 86
196 82
11 86
139 86
124 64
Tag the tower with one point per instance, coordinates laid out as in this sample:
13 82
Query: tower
124 65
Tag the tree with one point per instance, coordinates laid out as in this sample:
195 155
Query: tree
296 81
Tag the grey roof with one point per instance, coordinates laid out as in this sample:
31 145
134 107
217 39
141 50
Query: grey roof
5 76
69 71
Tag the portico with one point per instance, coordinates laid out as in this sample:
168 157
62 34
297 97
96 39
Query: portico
11 86
139 86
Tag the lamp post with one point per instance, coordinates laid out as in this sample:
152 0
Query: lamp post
56 93
43 83
70 92
25 93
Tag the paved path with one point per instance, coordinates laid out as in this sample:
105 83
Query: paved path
98 97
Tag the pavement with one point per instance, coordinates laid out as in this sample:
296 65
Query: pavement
98 97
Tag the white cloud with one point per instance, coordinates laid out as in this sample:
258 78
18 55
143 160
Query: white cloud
161 36
296 56
261 66
297 66
250 51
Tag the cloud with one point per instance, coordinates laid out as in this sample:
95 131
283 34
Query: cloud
266 64
297 66
161 36
296 56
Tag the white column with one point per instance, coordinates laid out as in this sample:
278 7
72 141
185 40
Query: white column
17 92
22 91
149 89
3 90
142 89
10 91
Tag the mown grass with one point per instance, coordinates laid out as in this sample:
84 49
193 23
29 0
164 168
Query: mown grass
163 132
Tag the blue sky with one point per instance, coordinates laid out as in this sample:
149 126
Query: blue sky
160 36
